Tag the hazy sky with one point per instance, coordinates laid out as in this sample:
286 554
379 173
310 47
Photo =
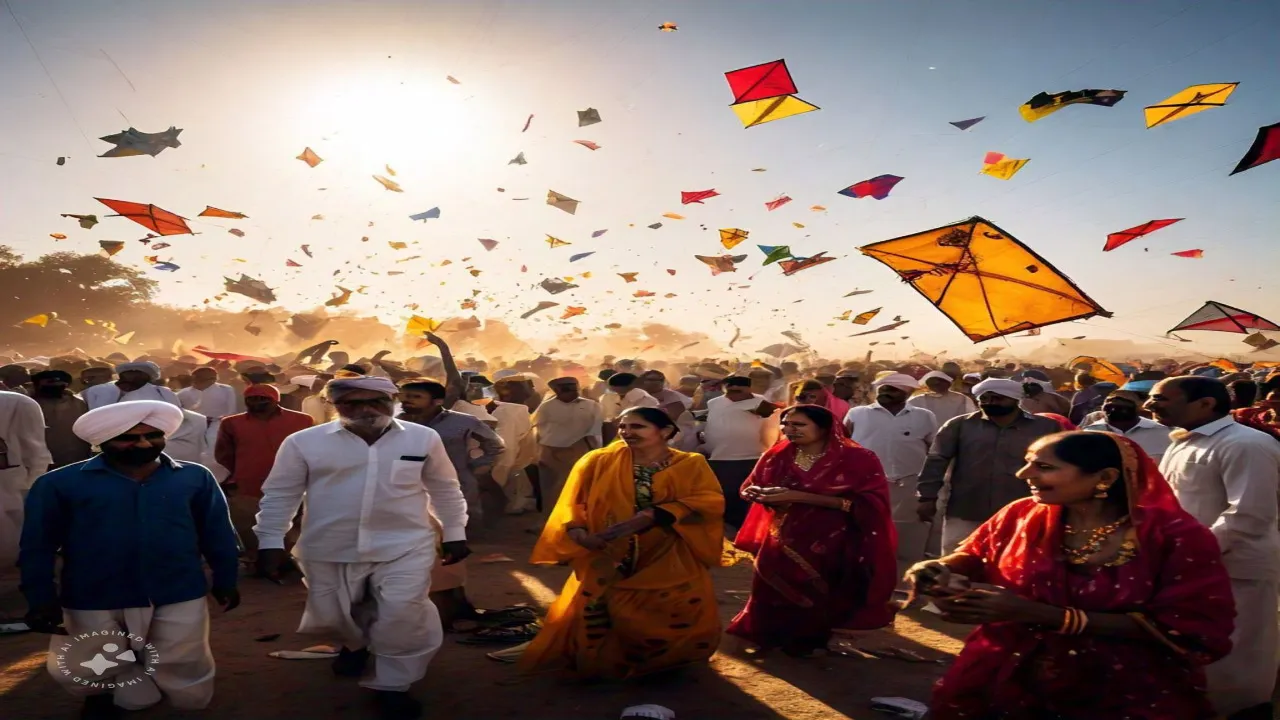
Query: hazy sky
363 83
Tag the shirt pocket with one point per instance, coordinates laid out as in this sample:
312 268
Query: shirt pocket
406 472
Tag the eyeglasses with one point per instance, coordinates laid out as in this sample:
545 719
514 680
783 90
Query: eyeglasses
151 437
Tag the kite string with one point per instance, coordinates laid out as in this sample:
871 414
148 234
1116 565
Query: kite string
49 75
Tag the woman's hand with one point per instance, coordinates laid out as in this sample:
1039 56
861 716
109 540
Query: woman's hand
930 577
769 495
584 538
979 606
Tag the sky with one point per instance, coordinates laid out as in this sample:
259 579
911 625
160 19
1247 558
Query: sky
364 84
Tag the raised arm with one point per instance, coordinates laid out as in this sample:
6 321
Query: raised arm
455 388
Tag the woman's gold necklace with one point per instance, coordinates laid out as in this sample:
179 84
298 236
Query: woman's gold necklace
805 460
1097 536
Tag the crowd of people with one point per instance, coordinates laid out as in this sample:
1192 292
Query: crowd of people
1117 535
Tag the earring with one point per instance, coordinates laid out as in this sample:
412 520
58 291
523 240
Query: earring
1100 490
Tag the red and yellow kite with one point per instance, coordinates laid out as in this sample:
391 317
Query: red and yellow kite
161 222
764 93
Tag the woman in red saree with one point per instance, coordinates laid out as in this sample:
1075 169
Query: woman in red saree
821 532
1108 597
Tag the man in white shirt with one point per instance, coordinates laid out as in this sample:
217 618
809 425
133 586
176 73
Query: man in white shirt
189 443
1120 410
740 427
1227 475
372 485
568 426
941 400
23 458
515 427
677 407
899 434
135 381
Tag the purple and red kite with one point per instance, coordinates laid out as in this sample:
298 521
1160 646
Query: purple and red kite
1224 318
877 187
1116 239
1265 148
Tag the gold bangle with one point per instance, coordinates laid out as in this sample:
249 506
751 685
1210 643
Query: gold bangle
846 505
1084 621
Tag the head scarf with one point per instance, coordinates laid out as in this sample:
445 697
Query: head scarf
264 391
151 369
902 381
341 386
976 377
999 386
935 375
1063 421
1139 386
98 426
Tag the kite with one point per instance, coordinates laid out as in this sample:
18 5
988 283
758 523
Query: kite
1197 253
877 187
1044 104
579 256
135 142
418 324
844 315
562 202
730 238
781 350
572 311
390 170
309 157
86 221
795 265
1265 148
453 79
1100 369
668 27
211 211
1260 342
721 263
818 208
555 286
598 233
883 328
290 263
799 225
165 266
864 318
764 93
432 214
488 244
1186 102
61 161
123 339
160 246
590 116
519 158
983 279
396 245
389 184
1224 318
342 298
111 247
628 276
527 122
966 124
556 242
1116 239
654 226
151 217
588 144
40 320
237 233
774 253
998 166
777 203
251 288
306 250
696 196
858 292
673 216
643 293
670 271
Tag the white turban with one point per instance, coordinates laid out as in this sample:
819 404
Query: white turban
936 375
902 381
98 426
150 368
973 376
337 388
999 386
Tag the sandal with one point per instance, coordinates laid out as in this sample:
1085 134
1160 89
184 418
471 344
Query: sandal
513 635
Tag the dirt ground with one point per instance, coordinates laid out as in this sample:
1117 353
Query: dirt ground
462 683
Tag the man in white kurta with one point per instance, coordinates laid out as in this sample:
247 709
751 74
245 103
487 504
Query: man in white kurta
371 484
23 458
135 381
214 400
1227 475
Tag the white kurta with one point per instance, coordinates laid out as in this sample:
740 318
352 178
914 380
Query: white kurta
515 427
110 394
22 434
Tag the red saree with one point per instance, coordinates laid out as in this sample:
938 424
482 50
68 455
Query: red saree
1176 582
819 570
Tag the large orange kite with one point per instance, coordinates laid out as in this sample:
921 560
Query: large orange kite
161 222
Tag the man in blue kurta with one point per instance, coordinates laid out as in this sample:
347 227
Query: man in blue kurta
132 526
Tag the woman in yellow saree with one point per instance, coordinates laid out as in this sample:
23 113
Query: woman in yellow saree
640 524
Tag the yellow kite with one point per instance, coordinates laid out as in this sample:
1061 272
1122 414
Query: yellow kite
1194 99
1100 369
730 238
418 325
983 279
998 166
556 242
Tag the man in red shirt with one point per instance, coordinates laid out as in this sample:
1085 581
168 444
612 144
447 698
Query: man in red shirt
246 447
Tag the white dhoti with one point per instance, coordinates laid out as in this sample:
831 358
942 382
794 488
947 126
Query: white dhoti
382 606
913 535
1247 676
139 655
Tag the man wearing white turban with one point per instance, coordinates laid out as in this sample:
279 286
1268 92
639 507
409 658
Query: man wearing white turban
136 381
940 399
982 451
368 543
132 526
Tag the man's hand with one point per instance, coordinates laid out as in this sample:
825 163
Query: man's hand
926 510
454 552
46 619
435 339
269 563
228 598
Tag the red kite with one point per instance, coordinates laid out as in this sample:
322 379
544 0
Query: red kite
1224 318
1265 148
795 264
1189 253
151 217
765 92
696 196
1116 239
230 357
877 187
775 204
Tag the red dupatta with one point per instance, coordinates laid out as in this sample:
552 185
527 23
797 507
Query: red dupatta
792 543
1176 583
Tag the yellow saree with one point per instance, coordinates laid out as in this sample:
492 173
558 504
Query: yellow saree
644 603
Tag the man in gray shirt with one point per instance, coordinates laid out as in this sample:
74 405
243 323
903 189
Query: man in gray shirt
983 451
